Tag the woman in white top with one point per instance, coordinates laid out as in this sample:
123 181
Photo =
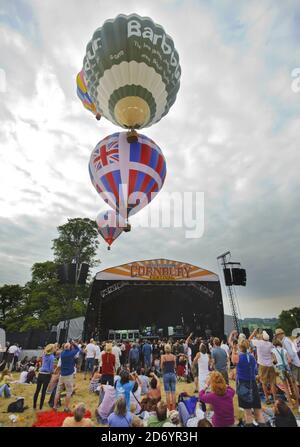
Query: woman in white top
202 358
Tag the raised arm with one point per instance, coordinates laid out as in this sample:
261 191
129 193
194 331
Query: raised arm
254 333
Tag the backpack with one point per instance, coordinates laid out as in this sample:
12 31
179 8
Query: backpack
17 406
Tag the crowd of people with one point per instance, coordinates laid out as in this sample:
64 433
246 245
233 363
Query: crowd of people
129 379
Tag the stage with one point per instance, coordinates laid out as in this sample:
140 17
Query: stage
157 293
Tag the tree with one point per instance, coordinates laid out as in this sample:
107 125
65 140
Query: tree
289 319
77 241
48 302
11 298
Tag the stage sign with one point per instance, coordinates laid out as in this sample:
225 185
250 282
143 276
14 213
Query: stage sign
157 270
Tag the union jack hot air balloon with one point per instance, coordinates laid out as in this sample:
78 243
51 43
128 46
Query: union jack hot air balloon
127 175
109 226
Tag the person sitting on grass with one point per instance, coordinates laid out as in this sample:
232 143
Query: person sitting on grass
95 380
5 379
161 416
120 417
154 391
78 420
204 423
220 398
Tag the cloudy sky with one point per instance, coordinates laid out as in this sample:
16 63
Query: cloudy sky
233 133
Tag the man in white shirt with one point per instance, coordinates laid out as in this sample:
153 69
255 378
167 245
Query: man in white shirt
90 357
291 349
117 353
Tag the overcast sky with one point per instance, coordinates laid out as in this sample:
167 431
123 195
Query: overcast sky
232 133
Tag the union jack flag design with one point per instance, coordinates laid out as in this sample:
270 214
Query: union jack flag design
106 153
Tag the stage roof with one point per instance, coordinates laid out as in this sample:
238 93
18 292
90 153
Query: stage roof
157 270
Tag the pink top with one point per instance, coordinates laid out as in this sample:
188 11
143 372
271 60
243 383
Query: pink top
222 406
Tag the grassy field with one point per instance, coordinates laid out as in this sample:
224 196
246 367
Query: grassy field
27 418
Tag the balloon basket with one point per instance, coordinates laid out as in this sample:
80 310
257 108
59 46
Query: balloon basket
132 136
98 117
127 228
108 248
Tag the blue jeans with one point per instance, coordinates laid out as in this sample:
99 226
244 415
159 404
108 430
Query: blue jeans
5 390
89 364
169 382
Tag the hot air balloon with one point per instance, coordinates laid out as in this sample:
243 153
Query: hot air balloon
132 71
127 175
83 95
109 226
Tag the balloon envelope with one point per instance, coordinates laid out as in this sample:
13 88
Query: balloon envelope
108 228
132 71
82 93
127 175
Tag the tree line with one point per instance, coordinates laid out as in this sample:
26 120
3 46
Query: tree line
43 301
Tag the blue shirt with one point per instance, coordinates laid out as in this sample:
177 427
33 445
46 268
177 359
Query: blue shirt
119 421
47 363
147 349
68 361
246 368
134 354
124 390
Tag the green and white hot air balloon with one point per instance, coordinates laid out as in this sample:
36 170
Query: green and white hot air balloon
132 71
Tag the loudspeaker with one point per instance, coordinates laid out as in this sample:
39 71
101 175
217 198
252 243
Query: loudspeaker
62 336
62 273
239 277
245 330
227 277
84 270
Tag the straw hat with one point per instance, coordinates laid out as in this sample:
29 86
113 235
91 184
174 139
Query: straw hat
279 331
49 349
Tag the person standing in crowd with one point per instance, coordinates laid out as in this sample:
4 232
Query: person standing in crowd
282 361
44 376
78 420
220 359
116 350
121 417
266 370
202 360
108 363
97 356
66 379
168 367
134 357
107 396
147 354
220 398
247 391
291 350
12 350
123 354
90 358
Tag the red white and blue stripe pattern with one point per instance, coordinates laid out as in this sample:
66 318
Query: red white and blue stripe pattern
108 226
127 175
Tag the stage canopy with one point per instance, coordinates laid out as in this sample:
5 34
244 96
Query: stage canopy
157 293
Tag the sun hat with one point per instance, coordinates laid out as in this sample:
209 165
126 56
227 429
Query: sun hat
265 336
279 331
49 349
